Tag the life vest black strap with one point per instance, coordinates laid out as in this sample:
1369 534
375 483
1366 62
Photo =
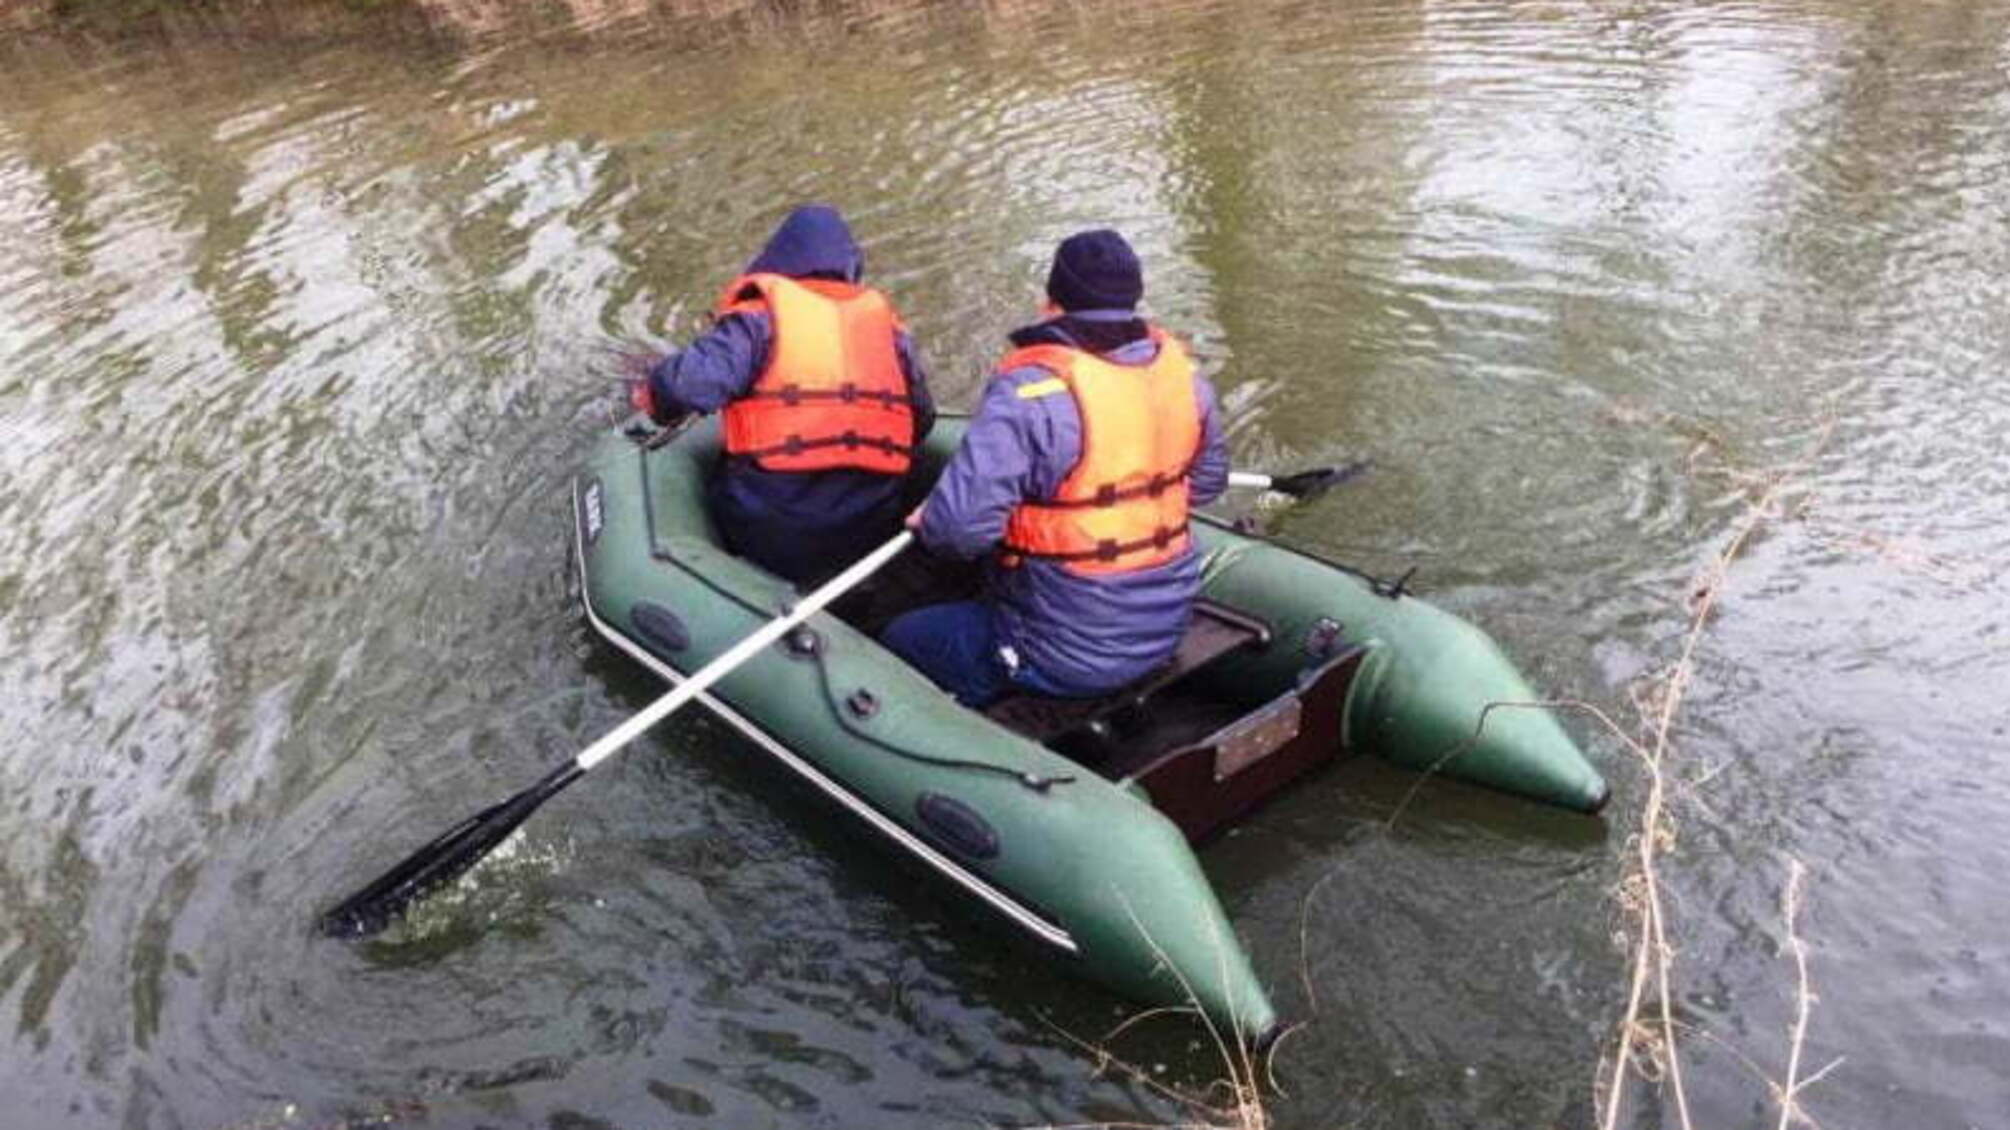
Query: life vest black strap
796 445
1109 494
850 394
1106 550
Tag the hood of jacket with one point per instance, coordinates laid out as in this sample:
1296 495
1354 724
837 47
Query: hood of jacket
813 242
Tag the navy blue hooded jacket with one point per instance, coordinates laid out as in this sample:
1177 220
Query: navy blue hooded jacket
802 526
1083 634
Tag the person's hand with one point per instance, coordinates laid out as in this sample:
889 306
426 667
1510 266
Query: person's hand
914 517
643 399
637 365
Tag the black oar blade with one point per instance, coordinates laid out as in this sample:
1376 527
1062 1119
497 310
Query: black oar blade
1319 480
440 862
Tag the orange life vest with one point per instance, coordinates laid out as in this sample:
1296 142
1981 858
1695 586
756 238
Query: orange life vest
832 394
1123 506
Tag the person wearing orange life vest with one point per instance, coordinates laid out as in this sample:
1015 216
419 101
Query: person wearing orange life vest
1092 442
823 395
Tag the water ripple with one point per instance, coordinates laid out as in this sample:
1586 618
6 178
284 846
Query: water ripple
295 356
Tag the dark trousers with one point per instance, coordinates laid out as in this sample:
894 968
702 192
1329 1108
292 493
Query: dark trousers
958 646
805 528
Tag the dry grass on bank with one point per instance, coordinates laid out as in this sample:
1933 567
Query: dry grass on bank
266 22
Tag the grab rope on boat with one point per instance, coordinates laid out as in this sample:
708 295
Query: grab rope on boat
1034 781
842 710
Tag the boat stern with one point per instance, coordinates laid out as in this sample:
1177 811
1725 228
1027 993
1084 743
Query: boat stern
1147 920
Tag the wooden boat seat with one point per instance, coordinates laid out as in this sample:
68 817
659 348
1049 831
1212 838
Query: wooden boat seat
1216 631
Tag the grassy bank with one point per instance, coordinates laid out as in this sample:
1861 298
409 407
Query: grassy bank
104 20
143 19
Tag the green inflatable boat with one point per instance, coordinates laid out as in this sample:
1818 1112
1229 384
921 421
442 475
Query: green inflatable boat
1072 820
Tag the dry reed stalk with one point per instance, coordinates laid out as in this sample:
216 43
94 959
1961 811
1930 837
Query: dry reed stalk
1654 957
1905 555
1790 908
1788 1092
1243 1109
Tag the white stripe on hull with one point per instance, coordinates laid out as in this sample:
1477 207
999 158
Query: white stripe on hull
1033 923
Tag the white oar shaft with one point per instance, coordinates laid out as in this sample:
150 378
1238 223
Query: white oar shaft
1248 479
740 652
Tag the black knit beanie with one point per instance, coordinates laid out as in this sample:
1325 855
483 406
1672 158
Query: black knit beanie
1095 270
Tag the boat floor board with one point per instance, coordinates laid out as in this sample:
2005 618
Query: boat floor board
1215 631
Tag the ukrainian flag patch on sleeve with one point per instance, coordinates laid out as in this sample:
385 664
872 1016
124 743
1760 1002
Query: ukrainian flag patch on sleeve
1034 390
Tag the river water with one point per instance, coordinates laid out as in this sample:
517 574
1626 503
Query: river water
300 340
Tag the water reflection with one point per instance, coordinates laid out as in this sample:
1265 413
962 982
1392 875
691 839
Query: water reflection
298 346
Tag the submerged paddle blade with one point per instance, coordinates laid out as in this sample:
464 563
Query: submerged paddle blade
1319 480
440 862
